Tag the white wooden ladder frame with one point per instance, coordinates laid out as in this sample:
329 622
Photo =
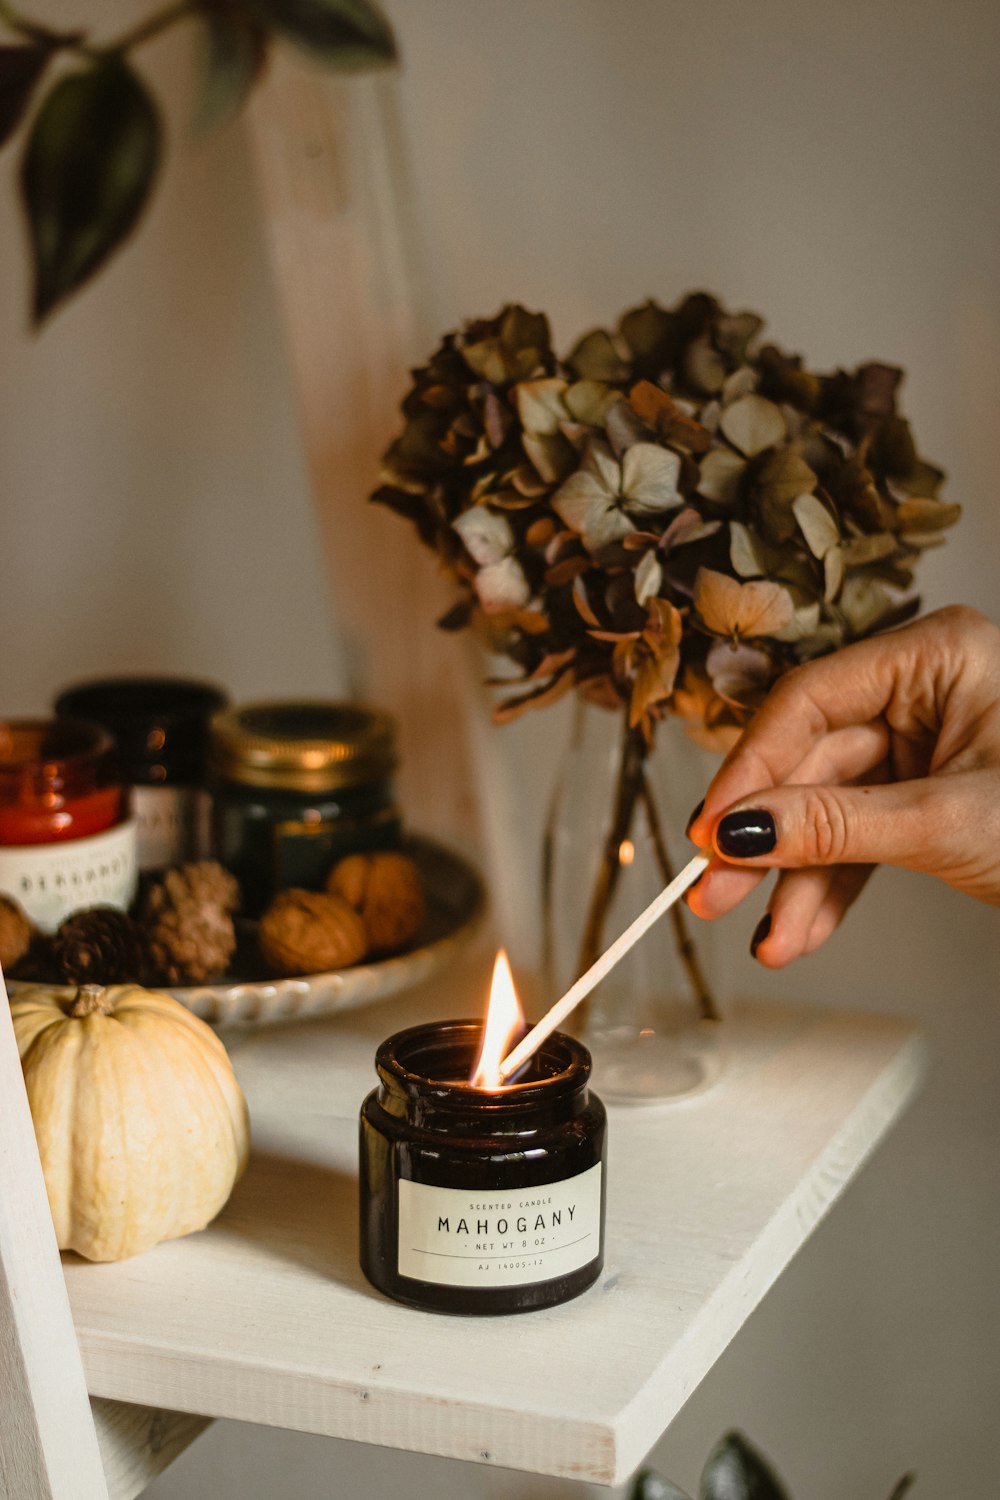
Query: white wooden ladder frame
55 1443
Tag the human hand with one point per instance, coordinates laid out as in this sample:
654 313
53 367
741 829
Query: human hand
887 752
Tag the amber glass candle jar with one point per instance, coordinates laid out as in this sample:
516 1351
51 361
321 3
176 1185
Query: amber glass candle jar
66 839
475 1200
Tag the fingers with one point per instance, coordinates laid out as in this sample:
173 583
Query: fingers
841 756
846 755
847 690
806 908
938 824
722 887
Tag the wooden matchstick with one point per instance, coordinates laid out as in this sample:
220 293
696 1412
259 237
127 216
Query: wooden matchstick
529 1044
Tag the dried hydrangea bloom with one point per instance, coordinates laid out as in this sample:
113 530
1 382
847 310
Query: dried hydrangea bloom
667 518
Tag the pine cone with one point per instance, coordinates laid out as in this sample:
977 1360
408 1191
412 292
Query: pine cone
100 946
16 933
188 923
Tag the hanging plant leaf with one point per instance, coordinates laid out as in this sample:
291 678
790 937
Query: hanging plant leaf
652 1486
91 161
20 70
235 53
735 1471
343 33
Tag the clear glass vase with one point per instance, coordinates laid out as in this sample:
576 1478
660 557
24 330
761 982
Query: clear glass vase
652 1024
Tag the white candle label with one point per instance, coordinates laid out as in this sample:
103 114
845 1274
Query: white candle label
172 823
459 1237
52 880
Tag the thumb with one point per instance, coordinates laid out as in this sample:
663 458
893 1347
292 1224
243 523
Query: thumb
917 824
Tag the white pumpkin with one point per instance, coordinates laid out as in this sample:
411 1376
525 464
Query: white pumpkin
141 1125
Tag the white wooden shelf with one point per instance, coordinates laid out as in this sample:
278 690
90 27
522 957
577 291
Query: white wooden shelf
267 1318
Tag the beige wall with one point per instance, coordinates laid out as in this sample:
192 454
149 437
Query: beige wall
833 167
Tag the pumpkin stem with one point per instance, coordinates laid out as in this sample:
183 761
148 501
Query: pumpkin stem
90 998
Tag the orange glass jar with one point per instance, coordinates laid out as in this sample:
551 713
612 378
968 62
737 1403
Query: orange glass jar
66 837
57 781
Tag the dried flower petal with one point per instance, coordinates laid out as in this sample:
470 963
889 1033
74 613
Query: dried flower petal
588 500
488 537
753 424
833 573
736 609
541 405
704 366
926 515
589 401
667 419
649 478
596 357
738 671
721 474
816 524
648 577
746 551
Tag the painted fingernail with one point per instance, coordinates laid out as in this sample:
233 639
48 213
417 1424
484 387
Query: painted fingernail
747 833
695 815
760 932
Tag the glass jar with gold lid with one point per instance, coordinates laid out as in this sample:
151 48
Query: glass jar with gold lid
297 785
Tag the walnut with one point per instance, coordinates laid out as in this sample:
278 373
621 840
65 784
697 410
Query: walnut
387 892
307 932
16 932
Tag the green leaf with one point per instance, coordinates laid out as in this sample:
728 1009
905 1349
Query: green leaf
20 70
652 1486
735 1471
91 160
235 53
350 34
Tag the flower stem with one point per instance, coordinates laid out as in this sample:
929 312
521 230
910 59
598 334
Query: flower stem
627 791
687 952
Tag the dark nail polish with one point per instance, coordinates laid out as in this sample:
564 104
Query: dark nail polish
695 815
760 932
745 834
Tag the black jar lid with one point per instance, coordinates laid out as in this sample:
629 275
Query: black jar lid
303 745
160 724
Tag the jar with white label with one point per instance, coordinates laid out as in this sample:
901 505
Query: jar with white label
160 726
66 838
476 1200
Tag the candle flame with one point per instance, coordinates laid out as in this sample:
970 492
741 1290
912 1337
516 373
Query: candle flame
626 852
504 1023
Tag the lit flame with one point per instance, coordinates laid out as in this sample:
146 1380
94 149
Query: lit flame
504 1023
626 852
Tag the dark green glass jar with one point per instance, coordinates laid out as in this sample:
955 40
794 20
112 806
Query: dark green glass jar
296 786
